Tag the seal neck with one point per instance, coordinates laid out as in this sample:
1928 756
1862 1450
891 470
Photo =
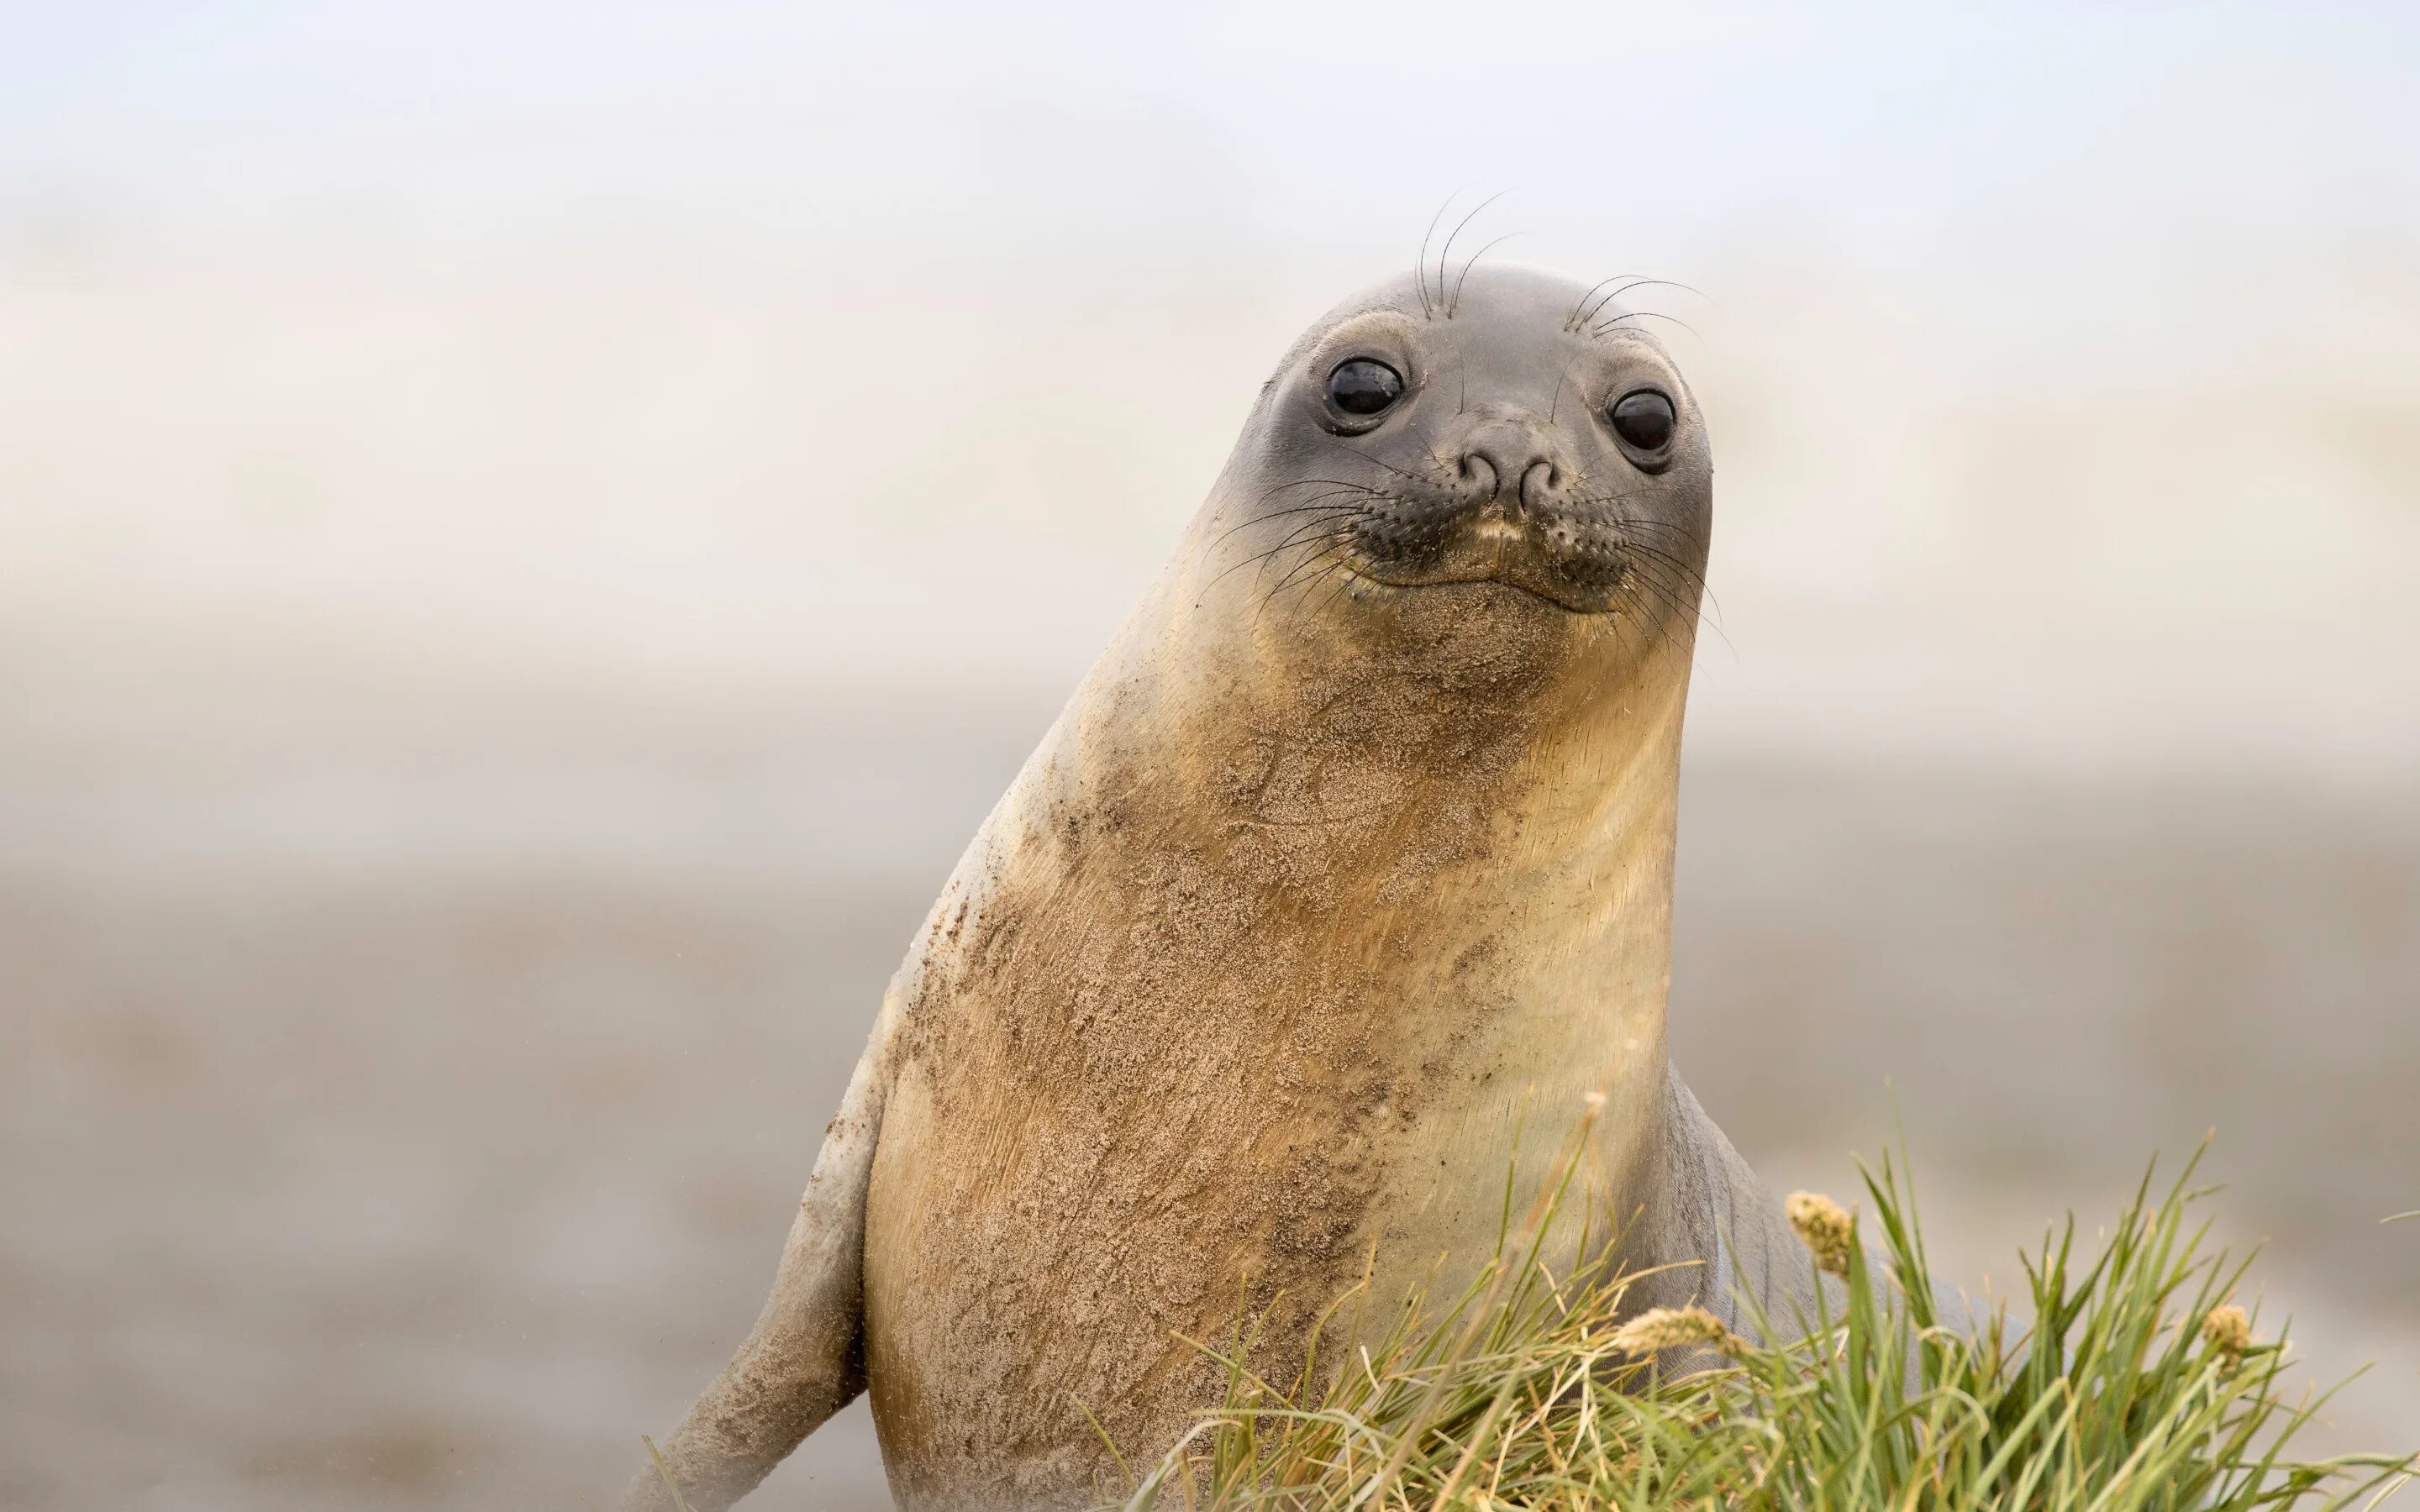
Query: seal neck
1515 791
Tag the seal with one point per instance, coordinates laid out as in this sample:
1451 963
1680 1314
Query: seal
1339 888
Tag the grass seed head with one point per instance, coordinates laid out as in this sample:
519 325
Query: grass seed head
1670 1328
1824 1228
2228 1330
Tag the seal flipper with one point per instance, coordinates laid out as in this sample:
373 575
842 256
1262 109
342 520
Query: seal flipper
804 1360
1715 1211
1716 1227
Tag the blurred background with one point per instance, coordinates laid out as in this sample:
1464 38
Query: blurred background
530 535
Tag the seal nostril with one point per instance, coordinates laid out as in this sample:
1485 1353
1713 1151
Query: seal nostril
1540 479
1508 459
1478 470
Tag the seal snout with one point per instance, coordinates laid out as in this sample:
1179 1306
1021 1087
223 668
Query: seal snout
1494 504
1509 461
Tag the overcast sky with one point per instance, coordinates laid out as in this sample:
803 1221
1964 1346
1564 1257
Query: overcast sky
1897 124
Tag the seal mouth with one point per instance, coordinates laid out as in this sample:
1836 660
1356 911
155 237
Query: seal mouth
1508 551
1575 555
1523 585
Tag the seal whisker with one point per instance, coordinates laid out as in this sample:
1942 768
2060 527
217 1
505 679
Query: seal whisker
1663 622
1340 490
1693 577
1678 564
1316 507
1420 263
1267 494
1682 539
1646 314
1685 531
1641 573
1330 562
1685 577
1305 531
1678 598
1455 303
1618 615
1641 283
1318 530
1319 564
1270 596
1594 500
1327 544
1447 251
1316 501
1345 577
1391 468
1575 320
1308 533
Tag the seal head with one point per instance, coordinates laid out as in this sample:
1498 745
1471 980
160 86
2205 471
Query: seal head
1517 437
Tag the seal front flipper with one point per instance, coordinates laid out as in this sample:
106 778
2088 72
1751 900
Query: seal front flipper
804 1360
1714 1231
1721 1239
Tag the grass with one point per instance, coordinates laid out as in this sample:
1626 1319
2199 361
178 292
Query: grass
2126 1380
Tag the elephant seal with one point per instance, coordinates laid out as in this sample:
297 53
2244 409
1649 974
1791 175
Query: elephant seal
1339 887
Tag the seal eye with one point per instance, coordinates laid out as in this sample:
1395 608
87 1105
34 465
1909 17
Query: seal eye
1643 418
1364 388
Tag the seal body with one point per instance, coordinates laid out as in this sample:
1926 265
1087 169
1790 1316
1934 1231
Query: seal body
1206 1021
1294 952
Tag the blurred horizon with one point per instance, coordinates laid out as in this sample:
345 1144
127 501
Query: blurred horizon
642 479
